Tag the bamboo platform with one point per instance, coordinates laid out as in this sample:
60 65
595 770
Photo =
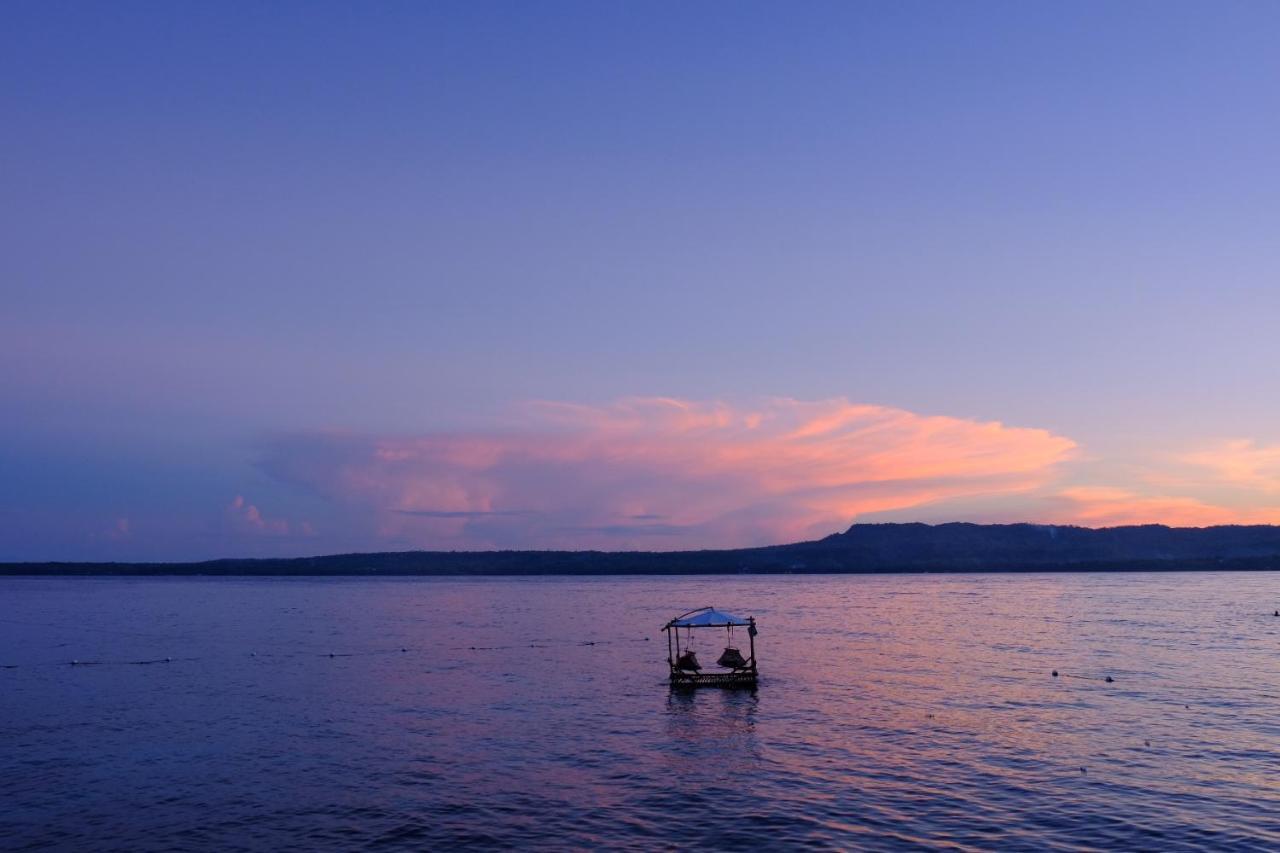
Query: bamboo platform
735 678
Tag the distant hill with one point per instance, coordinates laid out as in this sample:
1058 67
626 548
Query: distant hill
863 548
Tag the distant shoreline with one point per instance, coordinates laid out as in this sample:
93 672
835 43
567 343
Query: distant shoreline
152 570
862 549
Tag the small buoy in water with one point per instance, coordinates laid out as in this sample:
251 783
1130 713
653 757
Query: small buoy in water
1146 743
1082 770
330 654
253 654
404 650
1055 673
1109 679
168 660
74 662
1277 613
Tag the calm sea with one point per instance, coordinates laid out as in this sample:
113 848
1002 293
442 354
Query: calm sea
894 712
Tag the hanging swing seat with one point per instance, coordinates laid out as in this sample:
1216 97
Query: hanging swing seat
732 659
688 662
734 670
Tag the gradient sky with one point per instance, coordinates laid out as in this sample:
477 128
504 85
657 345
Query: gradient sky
282 279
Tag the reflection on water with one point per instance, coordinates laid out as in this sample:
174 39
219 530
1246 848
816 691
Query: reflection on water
892 710
713 725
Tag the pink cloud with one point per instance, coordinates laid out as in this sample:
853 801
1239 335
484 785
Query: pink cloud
663 473
246 517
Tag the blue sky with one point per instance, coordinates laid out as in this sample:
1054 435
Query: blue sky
231 229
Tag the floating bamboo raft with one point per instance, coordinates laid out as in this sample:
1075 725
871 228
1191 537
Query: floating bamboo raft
685 670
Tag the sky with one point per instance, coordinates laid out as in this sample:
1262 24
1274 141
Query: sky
282 278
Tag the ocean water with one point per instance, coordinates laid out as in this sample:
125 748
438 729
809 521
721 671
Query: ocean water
893 712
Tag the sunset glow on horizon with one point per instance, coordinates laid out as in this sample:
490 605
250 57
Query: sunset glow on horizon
663 474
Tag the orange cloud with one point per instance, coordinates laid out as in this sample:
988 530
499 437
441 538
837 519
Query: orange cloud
1095 506
665 473
1242 463
1233 482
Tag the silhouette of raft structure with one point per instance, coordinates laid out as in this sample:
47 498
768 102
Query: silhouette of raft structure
734 670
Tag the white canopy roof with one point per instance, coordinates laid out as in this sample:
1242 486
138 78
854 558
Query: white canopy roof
707 617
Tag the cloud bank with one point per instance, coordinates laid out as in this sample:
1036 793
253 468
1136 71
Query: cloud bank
661 473
657 473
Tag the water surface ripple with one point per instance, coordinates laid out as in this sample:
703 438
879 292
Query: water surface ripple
894 712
